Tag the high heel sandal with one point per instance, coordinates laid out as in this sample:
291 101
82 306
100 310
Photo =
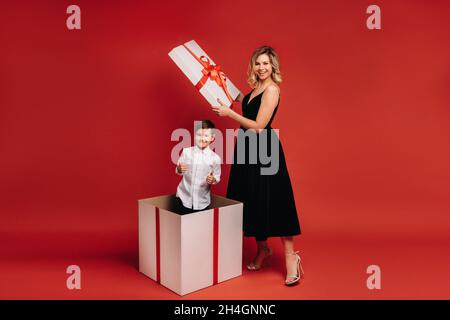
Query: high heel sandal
252 266
300 273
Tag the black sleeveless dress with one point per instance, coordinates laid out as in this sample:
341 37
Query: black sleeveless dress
269 204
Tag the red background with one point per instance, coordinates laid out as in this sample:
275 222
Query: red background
86 118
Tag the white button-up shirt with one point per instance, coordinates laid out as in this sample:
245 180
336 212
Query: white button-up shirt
193 189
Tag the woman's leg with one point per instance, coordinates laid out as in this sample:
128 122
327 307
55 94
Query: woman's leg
263 251
291 258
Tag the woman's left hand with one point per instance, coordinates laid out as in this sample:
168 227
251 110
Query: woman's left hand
221 110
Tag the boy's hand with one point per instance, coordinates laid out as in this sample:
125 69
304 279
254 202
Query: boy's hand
182 168
210 179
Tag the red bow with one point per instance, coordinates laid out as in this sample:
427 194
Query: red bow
212 72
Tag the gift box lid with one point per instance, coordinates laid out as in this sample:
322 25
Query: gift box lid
169 202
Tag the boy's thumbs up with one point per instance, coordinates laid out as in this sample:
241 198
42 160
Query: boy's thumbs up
210 178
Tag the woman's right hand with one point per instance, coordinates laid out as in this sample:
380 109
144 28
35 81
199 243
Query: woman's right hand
222 110
182 168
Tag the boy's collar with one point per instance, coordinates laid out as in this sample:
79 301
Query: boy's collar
200 149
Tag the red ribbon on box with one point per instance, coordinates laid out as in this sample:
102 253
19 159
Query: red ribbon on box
158 246
215 246
212 72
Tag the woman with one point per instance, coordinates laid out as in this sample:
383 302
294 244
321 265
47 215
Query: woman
269 205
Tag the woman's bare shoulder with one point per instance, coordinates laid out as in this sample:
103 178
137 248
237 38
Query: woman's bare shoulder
273 88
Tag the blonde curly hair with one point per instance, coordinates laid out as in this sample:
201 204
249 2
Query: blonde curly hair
252 78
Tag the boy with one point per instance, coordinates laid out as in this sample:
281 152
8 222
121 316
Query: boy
200 168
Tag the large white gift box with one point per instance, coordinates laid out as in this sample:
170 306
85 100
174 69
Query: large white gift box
204 74
188 252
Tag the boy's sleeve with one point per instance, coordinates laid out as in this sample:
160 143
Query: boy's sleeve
216 170
180 160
